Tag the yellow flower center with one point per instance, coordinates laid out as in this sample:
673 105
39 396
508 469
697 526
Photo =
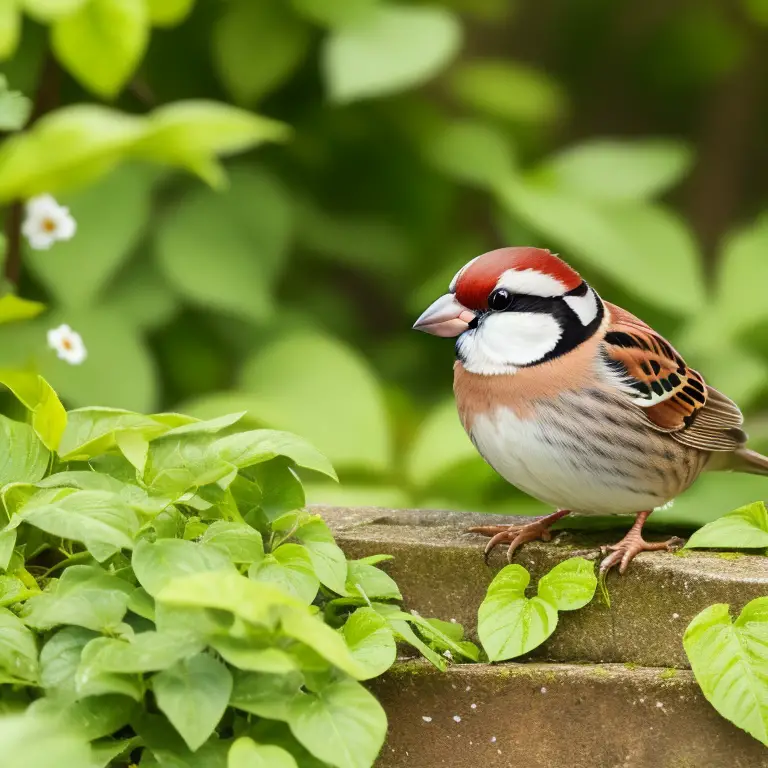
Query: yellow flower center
67 344
48 225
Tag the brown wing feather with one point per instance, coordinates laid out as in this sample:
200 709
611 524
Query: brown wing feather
674 397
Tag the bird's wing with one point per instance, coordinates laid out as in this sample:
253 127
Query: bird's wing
674 397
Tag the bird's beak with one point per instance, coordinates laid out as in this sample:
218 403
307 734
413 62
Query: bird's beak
446 317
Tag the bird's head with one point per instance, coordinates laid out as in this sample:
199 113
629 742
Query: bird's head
514 307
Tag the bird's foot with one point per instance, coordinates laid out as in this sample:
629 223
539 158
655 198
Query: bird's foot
629 547
516 535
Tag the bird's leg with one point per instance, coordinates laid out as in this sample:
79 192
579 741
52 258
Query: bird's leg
633 544
518 534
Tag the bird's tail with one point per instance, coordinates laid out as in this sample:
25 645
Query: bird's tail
745 460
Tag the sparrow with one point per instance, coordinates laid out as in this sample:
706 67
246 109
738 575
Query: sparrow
577 402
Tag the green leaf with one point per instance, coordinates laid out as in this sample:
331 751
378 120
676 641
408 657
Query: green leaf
168 13
111 216
742 269
370 582
50 10
507 89
242 543
245 753
60 658
15 108
289 567
32 741
393 48
7 545
398 622
509 624
84 596
167 748
24 457
189 134
329 561
341 724
440 443
472 152
93 717
319 388
92 431
611 171
570 585
145 652
265 695
102 43
337 14
241 653
67 148
91 680
730 663
18 650
257 47
248 225
14 308
97 518
744 528
193 695
614 238
158 564
49 418
370 641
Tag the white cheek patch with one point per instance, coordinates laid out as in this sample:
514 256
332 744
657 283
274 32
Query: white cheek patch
585 306
505 341
531 283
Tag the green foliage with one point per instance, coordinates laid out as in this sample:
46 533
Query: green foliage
730 663
510 624
744 528
161 564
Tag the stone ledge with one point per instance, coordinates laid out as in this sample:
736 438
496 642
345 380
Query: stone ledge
553 715
441 572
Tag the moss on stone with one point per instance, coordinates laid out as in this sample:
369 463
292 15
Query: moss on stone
668 674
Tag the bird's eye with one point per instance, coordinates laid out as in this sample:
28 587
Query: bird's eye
500 299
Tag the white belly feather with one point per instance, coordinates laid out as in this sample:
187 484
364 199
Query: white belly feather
534 456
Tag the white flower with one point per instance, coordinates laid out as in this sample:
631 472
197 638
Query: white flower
46 222
67 344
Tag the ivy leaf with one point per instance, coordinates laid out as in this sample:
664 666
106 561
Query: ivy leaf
570 585
60 658
341 724
289 566
729 661
158 564
85 596
744 528
329 561
91 680
241 653
241 543
245 753
49 419
398 622
618 170
338 14
14 308
371 582
266 695
256 47
50 10
509 624
102 43
193 695
33 741
14 108
24 458
370 641
18 650
93 717
392 48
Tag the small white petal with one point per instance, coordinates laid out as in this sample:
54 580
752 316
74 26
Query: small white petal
457 718
426 718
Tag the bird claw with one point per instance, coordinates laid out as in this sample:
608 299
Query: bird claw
629 547
516 535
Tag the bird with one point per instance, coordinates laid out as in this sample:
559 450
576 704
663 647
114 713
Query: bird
576 401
